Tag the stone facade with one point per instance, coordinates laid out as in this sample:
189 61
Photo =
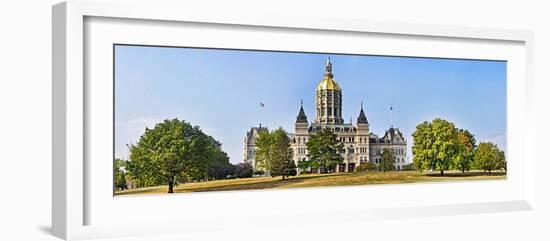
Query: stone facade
250 145
360 146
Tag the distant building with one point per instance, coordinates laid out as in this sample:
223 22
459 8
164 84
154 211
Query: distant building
360 146
250 145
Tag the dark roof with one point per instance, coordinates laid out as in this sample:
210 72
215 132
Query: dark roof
393 135
302 118
255 131
362 119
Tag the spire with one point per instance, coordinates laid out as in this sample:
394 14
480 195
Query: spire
328 68
362 119
302 118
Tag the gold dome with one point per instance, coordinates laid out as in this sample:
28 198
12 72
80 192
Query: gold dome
328 83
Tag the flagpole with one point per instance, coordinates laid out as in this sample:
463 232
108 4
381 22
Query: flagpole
261 113
391 116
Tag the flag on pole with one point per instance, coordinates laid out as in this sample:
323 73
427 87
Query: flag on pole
262 104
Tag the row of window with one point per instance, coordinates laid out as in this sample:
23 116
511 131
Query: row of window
301 150
396 160
361 150
342 139
329 111
299 140
345 139
395 151
336 129
324 93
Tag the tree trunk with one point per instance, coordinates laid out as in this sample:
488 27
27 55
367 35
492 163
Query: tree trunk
463 170
283 177
441 173
171 186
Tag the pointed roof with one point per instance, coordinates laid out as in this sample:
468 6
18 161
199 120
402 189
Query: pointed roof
302 118
362 119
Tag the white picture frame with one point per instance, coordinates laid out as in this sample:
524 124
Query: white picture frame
73 114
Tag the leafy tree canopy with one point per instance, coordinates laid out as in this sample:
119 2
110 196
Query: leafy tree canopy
119 174
173 151
387 161
243 170
488 157
435 145
323 149
465 150
274 153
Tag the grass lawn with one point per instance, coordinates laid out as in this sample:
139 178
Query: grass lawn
317 180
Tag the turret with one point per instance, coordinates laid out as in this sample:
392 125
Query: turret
362 122
301 125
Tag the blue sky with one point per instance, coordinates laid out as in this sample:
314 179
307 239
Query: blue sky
221 91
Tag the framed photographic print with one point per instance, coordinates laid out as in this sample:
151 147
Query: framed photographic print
178 110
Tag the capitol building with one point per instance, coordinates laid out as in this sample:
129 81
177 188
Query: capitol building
359 144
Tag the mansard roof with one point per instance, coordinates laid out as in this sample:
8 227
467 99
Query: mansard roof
394 135
254 131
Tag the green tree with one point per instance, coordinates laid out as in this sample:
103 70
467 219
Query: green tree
218 165
323 149
274 153
465 150
119 174
503 162
435 145
423 139
387 161
281 161
173 151
304 165
243 170
488 157
264 144
290 169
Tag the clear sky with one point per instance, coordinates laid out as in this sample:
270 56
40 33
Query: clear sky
221 91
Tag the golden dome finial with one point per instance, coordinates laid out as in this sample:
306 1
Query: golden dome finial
328 83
